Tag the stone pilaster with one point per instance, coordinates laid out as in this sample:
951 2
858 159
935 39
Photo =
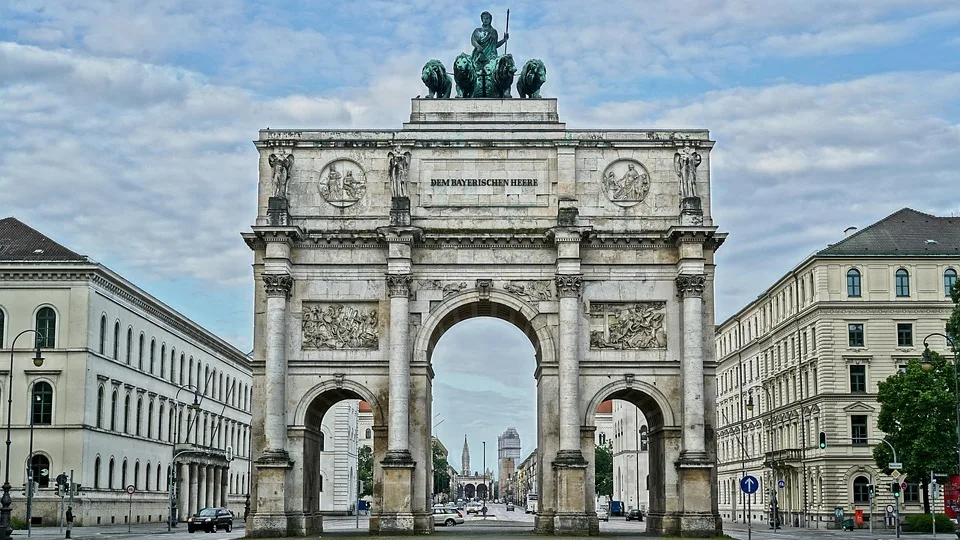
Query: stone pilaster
277 287
398 288
224 485
569 287
201 488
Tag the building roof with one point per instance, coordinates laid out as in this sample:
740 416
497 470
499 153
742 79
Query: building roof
906 232
20 242
606 407
364 407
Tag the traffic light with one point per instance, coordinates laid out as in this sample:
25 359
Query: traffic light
895 488
823 440
871 488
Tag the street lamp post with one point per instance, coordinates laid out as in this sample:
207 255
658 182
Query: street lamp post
927 366
5 500
30 476
774 509
195 406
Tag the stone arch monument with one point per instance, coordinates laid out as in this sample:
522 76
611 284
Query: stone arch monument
597 244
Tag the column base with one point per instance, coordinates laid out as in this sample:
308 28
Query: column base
271 518
543 523
570 524
397 516
698 518
283 524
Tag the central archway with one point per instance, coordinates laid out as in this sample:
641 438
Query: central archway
535 325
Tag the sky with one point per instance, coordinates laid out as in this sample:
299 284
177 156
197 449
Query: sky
126 126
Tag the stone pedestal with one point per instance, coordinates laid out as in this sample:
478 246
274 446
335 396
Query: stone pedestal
698 518
691 213
400 212
397 514
571 517
271 518
277 212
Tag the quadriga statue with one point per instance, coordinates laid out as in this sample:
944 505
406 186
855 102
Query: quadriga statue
497 77
439 83
532 77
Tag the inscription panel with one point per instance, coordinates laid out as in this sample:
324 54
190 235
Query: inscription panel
484 182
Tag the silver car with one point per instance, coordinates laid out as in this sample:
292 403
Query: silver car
447 517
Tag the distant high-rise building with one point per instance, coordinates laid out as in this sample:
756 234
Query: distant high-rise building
508 452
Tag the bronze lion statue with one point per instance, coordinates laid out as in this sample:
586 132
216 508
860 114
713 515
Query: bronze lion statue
438 82
498 77
465 75
532 77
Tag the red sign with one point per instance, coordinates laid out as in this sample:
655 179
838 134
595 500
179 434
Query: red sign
951 497
131 490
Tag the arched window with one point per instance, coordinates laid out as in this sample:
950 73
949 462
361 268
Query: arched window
153 346
130 346
136 474
140 354
170 430
189 371
42 403
949 278
861 490
126 415
150 420
903 282
146 484
110 470
123 474
1 328
369 434
160 423
47 327
113 412
853 283
139 415
166 477
40 466
96 473
181 366
103 334
159 479
116 340
100 407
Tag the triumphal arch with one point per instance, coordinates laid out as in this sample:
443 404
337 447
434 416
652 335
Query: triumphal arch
597 244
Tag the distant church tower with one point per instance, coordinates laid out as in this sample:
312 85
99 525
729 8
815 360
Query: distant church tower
465 459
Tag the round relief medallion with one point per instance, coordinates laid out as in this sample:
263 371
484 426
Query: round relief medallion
342 183
626 182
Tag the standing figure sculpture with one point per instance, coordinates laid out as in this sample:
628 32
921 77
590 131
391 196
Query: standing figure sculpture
486 40
398 167
686 162
281 166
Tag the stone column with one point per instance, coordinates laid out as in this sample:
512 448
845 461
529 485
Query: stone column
690 290
398 287
217 485
182 473
569 287
278 288
201 486
224 485
192 490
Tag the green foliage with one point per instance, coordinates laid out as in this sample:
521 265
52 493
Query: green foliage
441 470
917 414
603 468
365 469
922 523
953 324
18 524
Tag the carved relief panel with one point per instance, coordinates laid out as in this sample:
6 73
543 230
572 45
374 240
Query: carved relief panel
622 325
342 183
626 182
340 326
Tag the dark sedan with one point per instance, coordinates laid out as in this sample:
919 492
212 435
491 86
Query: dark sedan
211 520
635 514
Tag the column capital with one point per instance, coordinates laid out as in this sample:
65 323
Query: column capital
398 285
569 285
278 284
690 285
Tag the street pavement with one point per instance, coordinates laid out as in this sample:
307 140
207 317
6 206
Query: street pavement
497 524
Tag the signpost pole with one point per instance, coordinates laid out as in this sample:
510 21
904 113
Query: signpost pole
70 506
131 489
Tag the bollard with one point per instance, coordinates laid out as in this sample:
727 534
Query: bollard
69 521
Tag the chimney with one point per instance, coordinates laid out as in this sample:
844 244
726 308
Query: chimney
848 231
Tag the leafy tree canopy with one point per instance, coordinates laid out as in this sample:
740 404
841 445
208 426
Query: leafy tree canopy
365 469
603 465
441 469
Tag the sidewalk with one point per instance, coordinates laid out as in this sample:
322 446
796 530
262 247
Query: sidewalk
142 529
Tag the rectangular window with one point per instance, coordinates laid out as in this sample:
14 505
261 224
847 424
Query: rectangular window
912 493
858 429
855 334
858 378
904 335
902 368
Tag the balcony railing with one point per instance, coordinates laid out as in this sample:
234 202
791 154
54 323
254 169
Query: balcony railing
785 457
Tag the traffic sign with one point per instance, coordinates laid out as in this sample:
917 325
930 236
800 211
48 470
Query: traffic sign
838 511
895 474
131 490
781 484
894 465
903 485
889 508
749 484
44 472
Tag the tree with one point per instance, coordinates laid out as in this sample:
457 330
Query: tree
918 416
365 469
441 470
603 467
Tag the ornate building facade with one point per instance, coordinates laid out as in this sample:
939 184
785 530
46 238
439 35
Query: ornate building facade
808 353
340 440
126 383
631 456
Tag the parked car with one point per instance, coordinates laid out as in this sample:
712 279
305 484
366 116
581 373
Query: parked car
602 514
635 514
510 507
447 517
211 520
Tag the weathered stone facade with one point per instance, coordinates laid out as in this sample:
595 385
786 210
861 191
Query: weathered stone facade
503 212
